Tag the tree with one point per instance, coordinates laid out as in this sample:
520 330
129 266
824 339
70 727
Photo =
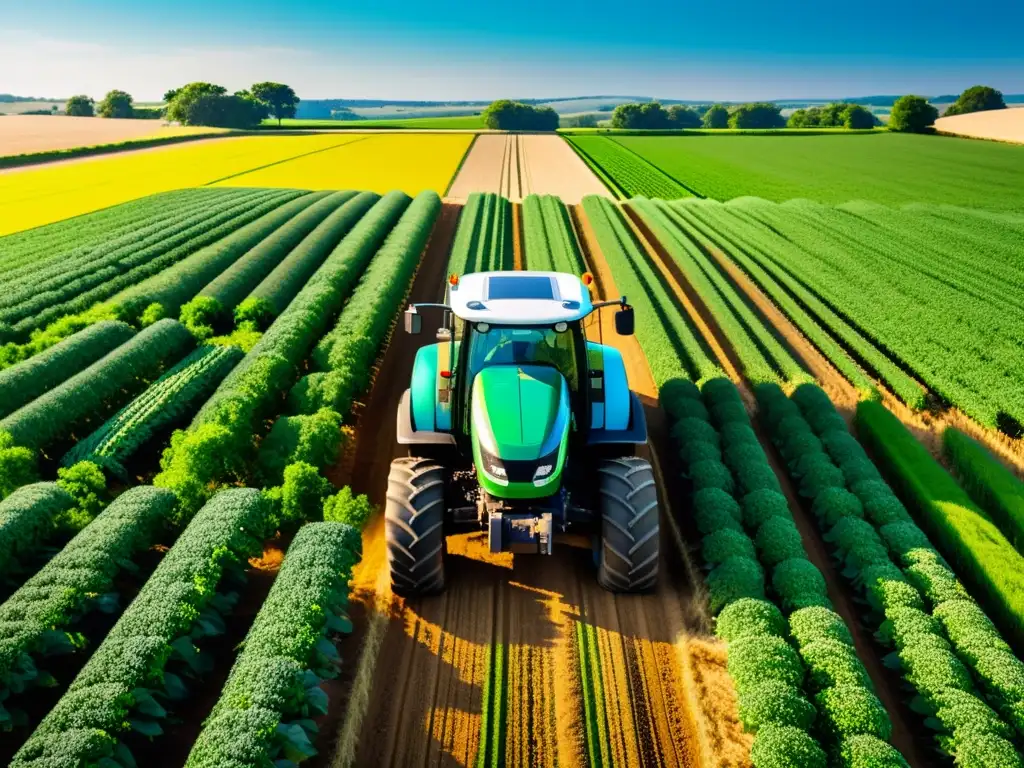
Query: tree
912 114
181 99
116 104
977 98
79 106
222 111
805 118
507 115
757 115
680 116
858 118
280 99
716 117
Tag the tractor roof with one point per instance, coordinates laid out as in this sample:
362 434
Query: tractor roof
520 298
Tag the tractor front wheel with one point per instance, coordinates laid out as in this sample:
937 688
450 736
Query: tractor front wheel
414 526
628 555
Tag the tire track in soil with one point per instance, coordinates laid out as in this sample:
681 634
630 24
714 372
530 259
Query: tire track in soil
868 650
679 703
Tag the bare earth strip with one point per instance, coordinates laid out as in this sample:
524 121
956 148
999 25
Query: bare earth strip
996 124
21 134
516 165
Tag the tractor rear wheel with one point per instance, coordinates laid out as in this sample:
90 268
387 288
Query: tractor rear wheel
414 526
628 502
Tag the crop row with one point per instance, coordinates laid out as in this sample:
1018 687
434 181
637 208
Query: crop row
962 347
216 301
550 239
104 261
761 354
267 708
174 396
914 600
137 673
780 661
27 519
221 442
100 389
483 240
664 333
39 620
80 295
710 224
630 174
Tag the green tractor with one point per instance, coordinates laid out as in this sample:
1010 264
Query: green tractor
517 425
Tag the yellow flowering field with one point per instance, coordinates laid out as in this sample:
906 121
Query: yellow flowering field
409 162
32 197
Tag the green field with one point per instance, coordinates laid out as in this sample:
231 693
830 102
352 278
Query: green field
882 167
465 122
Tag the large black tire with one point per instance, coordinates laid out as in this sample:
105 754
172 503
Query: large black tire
414 526
628 503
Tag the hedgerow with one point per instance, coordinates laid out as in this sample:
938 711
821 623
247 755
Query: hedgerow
22 383
98 390
178 607
38 620
286 654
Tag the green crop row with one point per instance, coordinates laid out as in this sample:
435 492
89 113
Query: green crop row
136 673
26 251
483 239
216 301
174 396
761 354
38 620
662 327
628 171
990 484
150 262
708 223
267 708
40 282
550 239
100 389
176 285
220 444
736 489
27 520
24 382
826 460
963 346
978 551
268 299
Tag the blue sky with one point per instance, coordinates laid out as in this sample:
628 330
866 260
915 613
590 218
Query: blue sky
457 49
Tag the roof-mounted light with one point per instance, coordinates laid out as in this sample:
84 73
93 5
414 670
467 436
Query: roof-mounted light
587 278
453 280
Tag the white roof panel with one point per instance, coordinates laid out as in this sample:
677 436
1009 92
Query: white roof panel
520 298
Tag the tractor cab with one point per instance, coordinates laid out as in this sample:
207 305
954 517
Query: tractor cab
514 406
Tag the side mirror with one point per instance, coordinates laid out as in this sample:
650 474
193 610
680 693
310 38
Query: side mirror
413 321
624 321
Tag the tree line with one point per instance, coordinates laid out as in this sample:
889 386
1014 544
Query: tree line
198 104
909 113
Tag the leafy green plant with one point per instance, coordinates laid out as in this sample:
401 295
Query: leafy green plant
851 710
797 579
343 507
85 483
762 505
867 751
809 625
17 465
27 519
783 746
757 660
748 617
719 546
314 439
733 579
715 510
777 540
775 703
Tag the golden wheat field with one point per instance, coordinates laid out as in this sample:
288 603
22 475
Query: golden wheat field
33 197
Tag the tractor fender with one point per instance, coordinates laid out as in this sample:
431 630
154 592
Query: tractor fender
610 399
431 409
405 434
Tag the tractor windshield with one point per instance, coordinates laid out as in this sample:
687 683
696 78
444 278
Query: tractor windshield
516 345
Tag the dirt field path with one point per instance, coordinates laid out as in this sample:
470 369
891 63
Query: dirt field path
517 165
523 660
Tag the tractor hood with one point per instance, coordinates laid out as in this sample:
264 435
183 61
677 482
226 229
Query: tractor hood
520 427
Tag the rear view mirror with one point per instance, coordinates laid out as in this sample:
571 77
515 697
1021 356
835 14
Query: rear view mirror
413 321
624 321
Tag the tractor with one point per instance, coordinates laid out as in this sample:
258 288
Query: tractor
519 426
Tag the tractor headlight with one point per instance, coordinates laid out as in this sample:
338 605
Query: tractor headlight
543 471
496 469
